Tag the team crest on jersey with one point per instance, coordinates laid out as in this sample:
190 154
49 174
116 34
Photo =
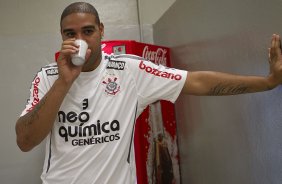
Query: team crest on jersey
112 86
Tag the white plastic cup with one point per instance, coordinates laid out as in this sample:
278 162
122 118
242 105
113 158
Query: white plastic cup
78 59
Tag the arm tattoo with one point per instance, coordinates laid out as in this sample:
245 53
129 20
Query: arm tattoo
34 113
228 89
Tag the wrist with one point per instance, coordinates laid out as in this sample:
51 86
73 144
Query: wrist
62 84
271 82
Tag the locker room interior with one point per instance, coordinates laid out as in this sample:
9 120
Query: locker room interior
222 140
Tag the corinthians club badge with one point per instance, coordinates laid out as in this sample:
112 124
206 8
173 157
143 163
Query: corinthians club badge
111 85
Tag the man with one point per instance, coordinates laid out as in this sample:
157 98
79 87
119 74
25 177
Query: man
87 113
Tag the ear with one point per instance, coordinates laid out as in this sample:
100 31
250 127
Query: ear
101 28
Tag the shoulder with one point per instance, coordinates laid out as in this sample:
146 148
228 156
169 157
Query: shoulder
47 72
123 61
50 70
126 57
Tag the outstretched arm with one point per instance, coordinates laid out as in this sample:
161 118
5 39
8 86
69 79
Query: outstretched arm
217 84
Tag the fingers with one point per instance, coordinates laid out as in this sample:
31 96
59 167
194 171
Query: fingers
275 49
69 47
88 53
276 43
269 59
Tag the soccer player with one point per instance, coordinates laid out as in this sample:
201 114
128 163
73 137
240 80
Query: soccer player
87 113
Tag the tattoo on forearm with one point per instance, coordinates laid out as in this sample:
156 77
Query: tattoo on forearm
227 89
34 113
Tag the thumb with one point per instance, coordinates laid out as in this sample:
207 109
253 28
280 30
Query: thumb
88 53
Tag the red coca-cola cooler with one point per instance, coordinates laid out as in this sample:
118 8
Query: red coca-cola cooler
155 139
156 150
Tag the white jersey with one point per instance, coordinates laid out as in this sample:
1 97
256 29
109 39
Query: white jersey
92 138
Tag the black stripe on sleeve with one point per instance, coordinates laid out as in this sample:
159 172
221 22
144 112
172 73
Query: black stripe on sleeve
132 134
49 159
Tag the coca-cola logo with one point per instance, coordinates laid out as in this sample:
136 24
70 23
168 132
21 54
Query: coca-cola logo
158 56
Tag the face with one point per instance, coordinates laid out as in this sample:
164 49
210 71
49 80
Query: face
84 26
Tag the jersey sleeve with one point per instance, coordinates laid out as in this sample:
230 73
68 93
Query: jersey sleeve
37 90
156 82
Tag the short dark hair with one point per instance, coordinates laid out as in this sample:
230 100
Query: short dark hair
80 7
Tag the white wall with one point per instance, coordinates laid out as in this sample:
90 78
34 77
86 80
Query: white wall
226 140
149 13
29 37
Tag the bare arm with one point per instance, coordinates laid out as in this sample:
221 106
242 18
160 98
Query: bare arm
33 127
217 84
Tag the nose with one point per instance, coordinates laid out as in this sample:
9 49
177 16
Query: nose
79 36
